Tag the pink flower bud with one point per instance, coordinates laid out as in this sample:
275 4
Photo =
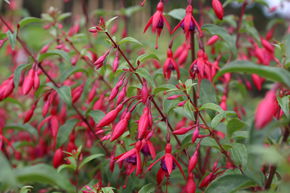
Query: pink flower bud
190 185
266 110
28 82
6 88
143 123
110 117
213 40
218 9
120 127
57 158
100 61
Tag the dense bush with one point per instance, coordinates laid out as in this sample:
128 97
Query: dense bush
91 108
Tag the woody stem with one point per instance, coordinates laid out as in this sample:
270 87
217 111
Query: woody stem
164 117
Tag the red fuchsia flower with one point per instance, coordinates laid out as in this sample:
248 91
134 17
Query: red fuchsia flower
110 117
266 109
200 67
190 186
212 40
99 104
258 81
6 88
58 158
74 29
133 156
100 61
170 65
157 22
167 161
148 147
28 81
218 8
120 127
44 48
188 23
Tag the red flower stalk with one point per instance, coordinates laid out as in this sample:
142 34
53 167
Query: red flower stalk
100 61
188 23
170 65
218 8
157 22
167 161
133 152
266 110
120 127
110 117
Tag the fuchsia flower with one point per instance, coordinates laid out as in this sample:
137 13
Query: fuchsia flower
218 8
57 158
266 109
188 23
167 162
212 40
157 22
170 65
200 67
190 186
144 122
133 156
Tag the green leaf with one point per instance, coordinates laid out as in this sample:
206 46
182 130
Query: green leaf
63 16
90 158
97 115
27 20
268 72
7 176
235 125
217 119
284 104
49 53
144 57
129 39
177 13
66 166
239 154
26 189
221 32
64 92
229 184
12 38
43 174
148 188
17 73
108 23
23 127
71 71
145 74
164 87
287 48
65 131
207 92
211 106
108 190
